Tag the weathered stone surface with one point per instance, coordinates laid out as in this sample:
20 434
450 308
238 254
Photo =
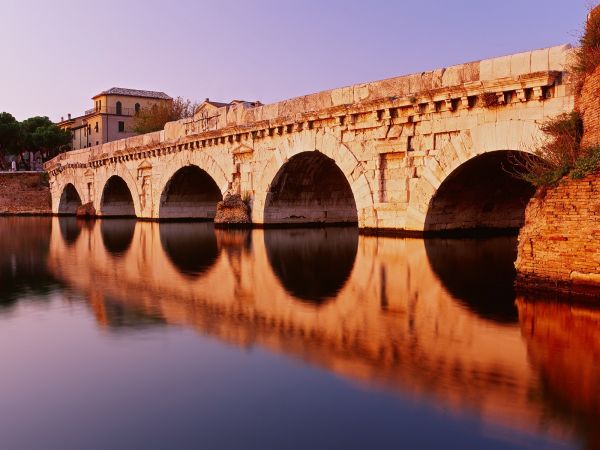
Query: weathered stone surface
232 210
388 141
86 211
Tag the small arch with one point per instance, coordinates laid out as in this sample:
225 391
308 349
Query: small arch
191 247
191 193
310 188
119 109
480 196
117 235
312 264
117 200
69 200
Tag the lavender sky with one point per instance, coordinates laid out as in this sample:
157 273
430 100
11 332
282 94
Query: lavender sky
55 55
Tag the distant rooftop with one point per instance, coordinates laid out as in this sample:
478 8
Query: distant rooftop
134 93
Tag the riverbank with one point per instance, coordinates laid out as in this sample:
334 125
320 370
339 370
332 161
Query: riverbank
24 193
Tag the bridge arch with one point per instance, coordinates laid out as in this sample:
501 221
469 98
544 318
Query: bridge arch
482 154
190 193
310 188
481 194
201 160
331 153
69 200
117 199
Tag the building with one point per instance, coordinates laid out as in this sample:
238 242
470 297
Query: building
111 118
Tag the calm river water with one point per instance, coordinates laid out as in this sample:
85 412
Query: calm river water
125 335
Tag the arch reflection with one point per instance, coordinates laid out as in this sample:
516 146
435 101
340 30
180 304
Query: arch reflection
70 229
191 247
117 235
480 273
313 264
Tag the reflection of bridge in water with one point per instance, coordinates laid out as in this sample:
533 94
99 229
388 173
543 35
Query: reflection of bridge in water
369 309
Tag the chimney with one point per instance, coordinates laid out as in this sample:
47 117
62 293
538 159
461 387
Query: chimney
62 118
69 116
206 99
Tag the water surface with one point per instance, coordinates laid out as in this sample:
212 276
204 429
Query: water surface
121 335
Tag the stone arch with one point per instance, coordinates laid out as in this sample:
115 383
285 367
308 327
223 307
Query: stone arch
182 159
190 193
310 188
117 199
327 145
481 194
69 200
508 137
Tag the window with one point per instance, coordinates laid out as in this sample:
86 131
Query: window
99 104
119 109
137 108
121 127
96 127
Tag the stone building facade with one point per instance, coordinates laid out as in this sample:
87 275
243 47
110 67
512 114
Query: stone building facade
111 117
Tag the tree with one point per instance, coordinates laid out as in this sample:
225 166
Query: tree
36 134
41 134
153 118
9 137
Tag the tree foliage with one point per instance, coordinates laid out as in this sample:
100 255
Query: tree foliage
31 135
9 133
154 118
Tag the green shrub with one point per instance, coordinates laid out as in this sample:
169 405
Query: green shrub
586 164
555 157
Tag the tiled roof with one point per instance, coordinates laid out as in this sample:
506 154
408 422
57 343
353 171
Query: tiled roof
134 93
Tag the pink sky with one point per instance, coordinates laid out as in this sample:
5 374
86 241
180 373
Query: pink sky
56 55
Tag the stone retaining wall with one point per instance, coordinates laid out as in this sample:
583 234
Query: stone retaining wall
24 193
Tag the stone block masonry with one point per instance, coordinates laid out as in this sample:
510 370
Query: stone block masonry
559 245
24 193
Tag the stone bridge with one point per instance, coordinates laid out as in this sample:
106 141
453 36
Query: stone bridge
423 152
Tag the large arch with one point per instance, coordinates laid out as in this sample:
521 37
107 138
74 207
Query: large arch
116 200
310 188
482 194
191 193
325 142
69 201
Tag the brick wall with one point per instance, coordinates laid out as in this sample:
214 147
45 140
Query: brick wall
24 193
559 245
589 108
